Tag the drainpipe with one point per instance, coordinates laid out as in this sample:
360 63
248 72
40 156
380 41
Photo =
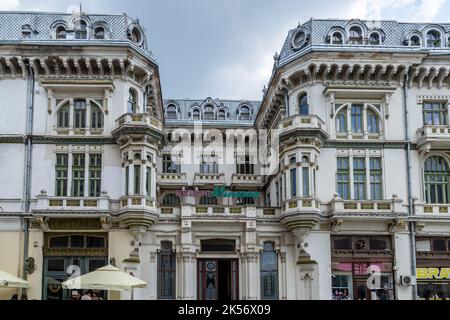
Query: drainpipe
28 160
412 226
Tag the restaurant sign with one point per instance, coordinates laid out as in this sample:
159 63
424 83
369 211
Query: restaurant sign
433 273
218 192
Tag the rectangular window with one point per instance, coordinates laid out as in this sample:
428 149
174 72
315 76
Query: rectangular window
359 178
148 181
343 178
127 180
95 175
434 113
243 165
376 179
166 271
305 173
80 114
277 193
293 182
62 167
137 179
78 170
209 165
168 165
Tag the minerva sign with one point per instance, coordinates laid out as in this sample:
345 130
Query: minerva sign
218 192
433 273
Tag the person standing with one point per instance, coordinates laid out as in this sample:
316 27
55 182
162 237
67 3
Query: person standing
87 295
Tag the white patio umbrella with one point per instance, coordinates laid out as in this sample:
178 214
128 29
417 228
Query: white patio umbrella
106 278
9 281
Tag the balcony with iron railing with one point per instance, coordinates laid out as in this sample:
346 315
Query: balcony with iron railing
306 125
433 137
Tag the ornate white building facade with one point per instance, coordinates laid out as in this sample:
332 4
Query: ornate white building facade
96 168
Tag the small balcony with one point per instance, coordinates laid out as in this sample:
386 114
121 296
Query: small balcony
433 137
374 208
302 125
61 206
171 179
203 179
247 180
138 123
137 202
432 210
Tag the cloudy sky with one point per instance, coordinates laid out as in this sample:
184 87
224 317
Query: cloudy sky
225 48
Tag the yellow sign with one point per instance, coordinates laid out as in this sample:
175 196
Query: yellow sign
433 273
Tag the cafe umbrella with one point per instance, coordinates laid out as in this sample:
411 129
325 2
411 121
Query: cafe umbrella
106 278
9 281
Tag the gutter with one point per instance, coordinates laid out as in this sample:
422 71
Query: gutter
28 164
412 225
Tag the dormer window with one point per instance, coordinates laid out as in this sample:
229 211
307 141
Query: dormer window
221 115
374 39
355 35
61 33
99 33
208 113
337 38
171 112
245 113
196 114
433 39
415 41
136 36
81 30
26 31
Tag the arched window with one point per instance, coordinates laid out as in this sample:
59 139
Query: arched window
136 36
64 116
448 42
303 104
374 39
341 121
355 35
433 39
337 38
208 201
171 112
81 30
171 200
269 272
96 117
221 115
79 113
132 101
356 114
436 180
99 33
196 114
60 32
208 113
415 41
245 113
166 271
373 125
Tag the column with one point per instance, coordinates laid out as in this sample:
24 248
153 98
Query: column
86 172
88 115
252 277
364 121
189 276
152 291
179 276
243 277
350 166
69 172
367 161
71 120
282 277
349 121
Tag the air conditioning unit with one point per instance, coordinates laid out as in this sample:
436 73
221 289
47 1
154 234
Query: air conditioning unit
408 281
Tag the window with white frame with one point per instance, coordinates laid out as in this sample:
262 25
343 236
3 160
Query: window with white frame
196 114
209 164
132 101
337 38
221 115
436 173
358 118
80 109
415 41
435 113
99 33
293 176
374 39
358 181
171 112
81 29
171 200
61 33
62 169
78 174
303 103
245 113
208 113
355 35
433 39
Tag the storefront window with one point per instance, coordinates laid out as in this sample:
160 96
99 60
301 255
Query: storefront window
342 287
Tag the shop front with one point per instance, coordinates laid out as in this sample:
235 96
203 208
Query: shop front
362 268
433 268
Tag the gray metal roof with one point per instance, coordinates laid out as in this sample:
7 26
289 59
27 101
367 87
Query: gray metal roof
43 26
231 107
393 34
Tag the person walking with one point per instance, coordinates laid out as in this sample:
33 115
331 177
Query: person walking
15 296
